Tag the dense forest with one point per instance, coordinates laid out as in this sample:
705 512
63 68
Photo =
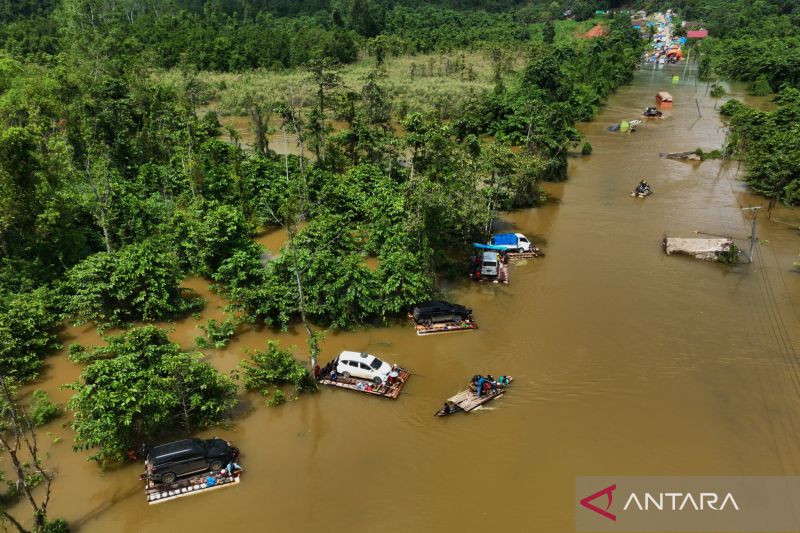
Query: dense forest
237 35
116 183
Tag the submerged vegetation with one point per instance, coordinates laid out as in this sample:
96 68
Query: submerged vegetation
757 43
769 143
274 367
140 386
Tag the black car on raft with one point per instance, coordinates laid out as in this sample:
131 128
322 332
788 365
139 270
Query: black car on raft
167 462
439 311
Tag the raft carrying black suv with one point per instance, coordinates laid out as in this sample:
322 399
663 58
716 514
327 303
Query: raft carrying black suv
437 311
167 462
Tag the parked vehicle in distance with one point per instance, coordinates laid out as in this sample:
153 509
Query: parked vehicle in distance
167 462
489 265
438 311
513 242
362 365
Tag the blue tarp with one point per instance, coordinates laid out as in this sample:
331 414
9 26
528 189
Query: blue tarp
487 247
505 238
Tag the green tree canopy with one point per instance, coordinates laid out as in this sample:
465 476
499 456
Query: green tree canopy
141 387
139 282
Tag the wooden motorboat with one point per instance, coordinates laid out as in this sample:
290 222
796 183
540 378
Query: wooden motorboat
468 400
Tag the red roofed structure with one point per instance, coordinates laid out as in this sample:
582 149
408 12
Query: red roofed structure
696 34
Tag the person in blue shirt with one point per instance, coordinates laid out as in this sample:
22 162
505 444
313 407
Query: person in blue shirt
233 468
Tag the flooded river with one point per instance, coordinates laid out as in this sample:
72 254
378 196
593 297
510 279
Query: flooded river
626 362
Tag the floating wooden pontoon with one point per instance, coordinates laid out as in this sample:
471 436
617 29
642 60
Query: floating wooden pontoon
535 251
159 493
444 327
708 249
387 390
468 401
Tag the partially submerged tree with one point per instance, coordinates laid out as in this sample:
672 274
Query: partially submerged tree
293 210
754 136
717 92
274 367
139 282
18 441
325 77
141 387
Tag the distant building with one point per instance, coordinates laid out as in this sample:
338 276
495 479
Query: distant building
697 34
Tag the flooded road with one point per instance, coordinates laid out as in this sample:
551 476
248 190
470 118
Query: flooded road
626 362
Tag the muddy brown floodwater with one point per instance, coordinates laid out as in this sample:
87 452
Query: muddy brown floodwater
626 362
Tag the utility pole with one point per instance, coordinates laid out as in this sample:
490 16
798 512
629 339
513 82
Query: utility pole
753 210
686 65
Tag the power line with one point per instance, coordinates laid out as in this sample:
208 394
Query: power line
753 210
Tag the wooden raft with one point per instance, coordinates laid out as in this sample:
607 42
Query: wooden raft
186 487
444 327
361 385
536 252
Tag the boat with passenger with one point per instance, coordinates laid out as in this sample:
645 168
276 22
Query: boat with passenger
482 389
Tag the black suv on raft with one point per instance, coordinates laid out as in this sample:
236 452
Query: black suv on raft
437 311
167 462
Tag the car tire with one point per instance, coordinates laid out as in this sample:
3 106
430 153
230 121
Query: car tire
216 465
345 374
377 381
168 478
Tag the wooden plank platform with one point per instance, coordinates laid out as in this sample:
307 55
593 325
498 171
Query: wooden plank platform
467 400
525 255
361 385
187 487
445 327
471 401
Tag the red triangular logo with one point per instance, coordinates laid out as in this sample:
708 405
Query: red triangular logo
608 491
